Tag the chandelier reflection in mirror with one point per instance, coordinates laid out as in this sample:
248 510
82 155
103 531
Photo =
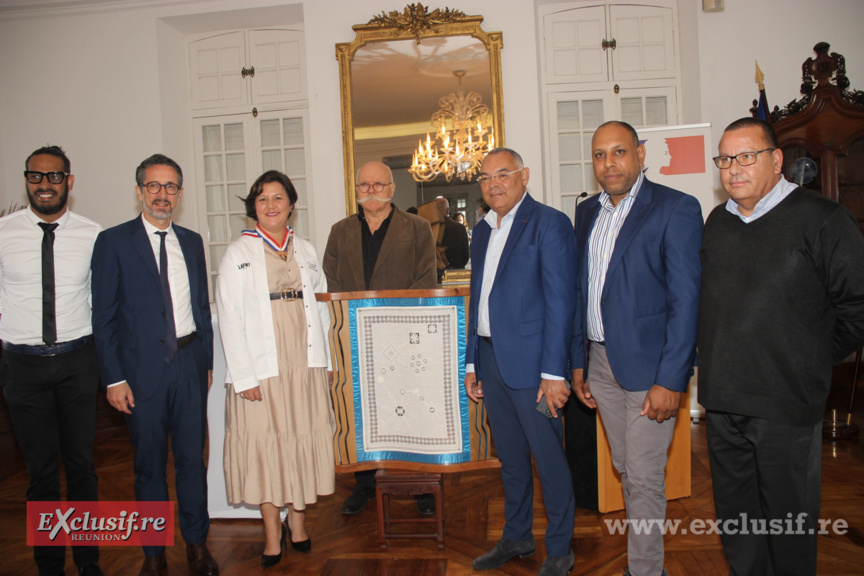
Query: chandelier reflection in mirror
463 137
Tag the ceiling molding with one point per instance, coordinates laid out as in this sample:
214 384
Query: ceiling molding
20 9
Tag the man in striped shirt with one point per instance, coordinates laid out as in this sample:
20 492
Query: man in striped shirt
638 287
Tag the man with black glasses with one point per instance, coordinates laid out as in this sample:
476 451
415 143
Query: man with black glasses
379 248
48 371
782 301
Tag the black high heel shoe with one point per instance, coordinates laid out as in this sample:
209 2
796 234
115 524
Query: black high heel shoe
267 560
305 546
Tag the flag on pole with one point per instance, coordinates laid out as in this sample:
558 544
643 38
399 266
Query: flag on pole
761 109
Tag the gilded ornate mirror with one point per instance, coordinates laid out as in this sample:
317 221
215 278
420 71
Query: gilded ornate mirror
395 75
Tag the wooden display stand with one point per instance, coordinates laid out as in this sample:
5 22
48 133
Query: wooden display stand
407 473
610 495
342 390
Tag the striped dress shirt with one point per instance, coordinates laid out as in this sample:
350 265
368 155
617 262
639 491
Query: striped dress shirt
601 244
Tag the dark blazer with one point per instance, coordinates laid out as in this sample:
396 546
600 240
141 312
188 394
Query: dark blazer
406 260
128 308
532 305
455 242
650 301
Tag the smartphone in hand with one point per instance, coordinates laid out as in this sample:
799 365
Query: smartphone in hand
543 407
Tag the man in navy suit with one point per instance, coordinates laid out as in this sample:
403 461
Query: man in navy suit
154 339
520 324
638 292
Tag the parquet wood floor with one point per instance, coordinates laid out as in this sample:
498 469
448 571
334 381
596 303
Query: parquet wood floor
348 545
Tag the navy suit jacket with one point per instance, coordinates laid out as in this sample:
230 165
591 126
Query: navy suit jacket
532 304
128 308
650 300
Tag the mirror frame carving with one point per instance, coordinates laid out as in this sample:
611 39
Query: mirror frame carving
406 26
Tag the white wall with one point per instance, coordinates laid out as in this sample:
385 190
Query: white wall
780 34
88 83
109 85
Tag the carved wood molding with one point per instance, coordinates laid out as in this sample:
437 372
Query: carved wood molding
824 73
416 19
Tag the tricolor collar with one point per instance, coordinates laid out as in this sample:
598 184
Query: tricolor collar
269 239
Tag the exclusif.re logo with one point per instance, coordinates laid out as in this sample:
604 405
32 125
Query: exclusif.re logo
106 523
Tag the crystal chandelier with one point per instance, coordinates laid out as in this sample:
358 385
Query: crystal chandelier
459 150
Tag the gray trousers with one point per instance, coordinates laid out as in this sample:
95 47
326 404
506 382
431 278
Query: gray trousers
639 448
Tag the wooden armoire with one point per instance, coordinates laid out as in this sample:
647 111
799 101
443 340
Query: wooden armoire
826 124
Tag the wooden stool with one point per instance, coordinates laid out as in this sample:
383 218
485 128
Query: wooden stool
397 483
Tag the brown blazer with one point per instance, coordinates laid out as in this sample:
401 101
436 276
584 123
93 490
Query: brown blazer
406 260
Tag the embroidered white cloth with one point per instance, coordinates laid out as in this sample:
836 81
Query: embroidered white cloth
409 379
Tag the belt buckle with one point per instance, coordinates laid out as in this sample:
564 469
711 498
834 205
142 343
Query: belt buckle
49 350
289 295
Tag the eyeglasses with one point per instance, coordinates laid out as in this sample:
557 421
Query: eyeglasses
35 177
377 187
488 180
743 159
154 187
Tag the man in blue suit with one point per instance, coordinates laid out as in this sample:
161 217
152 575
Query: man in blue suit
154 339
520 324
638 292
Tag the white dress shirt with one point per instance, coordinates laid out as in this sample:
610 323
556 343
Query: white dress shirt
21 276
178 277
497 241
601 244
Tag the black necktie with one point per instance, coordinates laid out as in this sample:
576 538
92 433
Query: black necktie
170 329
49 318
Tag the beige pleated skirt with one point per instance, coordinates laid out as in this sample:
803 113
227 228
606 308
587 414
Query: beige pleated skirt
280 450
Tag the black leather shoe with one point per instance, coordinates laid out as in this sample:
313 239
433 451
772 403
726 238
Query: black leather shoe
90 570
504 552
426 504
305 546
154 566
557 565
268 560
201 560
355 503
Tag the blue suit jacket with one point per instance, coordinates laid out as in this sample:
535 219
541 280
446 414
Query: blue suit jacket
532 304
128 308
650 300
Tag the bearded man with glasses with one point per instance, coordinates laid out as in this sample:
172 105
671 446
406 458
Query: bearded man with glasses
151 322
782 300
49 371
378 248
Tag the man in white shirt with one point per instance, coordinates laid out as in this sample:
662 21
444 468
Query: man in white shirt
151 322
49 371
520 326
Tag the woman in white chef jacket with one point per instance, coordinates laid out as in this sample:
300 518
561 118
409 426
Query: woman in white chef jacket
278 414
